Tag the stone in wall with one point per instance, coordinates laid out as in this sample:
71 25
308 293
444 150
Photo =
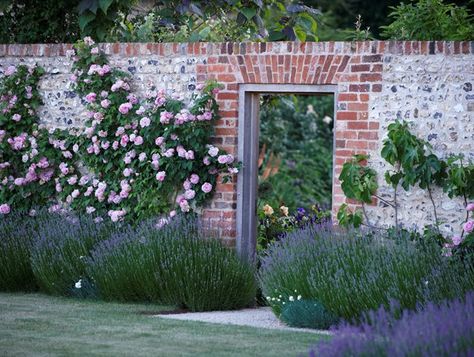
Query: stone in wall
434 93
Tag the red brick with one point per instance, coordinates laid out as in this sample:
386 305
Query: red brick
360 68
346 115
357 125
370 77
228 95
356 144
346 97
359 87
368 135
357 106
363 97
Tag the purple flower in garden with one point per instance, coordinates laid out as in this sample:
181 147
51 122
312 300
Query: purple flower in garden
206 187
470 207
5 208
436 330
468 226
16 117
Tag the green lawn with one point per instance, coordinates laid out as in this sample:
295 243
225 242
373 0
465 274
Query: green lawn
35 324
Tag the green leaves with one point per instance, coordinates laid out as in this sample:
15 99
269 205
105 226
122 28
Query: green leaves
358 181
347 218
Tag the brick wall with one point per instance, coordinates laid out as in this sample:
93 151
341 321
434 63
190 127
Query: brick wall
364 73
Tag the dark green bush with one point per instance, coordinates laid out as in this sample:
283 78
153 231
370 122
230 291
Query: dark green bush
351 273
16 236
430 20
61 248
177 264
307 313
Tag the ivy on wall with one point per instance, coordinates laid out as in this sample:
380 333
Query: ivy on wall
135 159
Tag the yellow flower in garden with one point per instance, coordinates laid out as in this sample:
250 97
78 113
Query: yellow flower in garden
268 210
284 210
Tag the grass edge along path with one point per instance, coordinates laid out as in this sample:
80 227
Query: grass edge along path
35 325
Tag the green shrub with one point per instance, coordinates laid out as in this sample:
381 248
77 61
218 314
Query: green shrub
429 20
61 248
124 267
176 264
16 233
351 273
307 313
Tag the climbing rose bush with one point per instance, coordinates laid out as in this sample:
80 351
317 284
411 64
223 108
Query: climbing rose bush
28 159
135 158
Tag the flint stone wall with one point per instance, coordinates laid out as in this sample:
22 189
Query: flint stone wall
428 83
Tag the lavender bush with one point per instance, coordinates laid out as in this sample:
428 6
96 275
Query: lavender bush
176 264
446 329
352 272
60 250
16 231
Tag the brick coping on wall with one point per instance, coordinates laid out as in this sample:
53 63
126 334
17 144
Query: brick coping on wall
245 48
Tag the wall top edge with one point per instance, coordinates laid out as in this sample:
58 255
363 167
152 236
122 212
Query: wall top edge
250 48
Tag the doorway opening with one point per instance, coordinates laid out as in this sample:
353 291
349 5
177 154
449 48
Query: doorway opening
286 147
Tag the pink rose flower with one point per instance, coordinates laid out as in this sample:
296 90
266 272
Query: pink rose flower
184 205
10 70
5 208
189 194
206 187
187 185
138 140
91 97
159 141
124 108
213 151
105 103
194 179
160 176
470 207
468 226
456 240
144 122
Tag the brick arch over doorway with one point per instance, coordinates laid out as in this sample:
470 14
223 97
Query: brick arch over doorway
355 69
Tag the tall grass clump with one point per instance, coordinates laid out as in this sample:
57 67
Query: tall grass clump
60 250
16 237
348 272
176 264
444 329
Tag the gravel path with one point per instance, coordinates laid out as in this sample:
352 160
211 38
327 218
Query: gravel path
261 317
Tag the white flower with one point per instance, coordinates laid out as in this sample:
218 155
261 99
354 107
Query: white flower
78 285
299 297
269 298
291 298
